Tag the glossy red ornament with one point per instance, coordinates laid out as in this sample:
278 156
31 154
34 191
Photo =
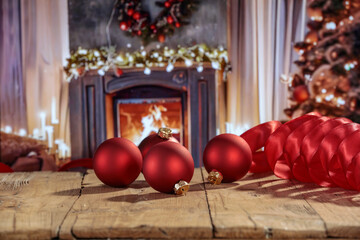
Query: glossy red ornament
117 162
301 93
151 140
229 155
123 26
152 26
136 15
177 24
130 12
169 19
167 4
166 164
138 32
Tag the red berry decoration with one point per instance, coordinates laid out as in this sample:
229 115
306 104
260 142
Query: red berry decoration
177 24
163 135
136 15
152 27
130 12
139 33
227 158
119 72
167 4
169 167
123 26
117 162
301 93
169 19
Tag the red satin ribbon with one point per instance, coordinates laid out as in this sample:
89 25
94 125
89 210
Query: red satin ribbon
310 148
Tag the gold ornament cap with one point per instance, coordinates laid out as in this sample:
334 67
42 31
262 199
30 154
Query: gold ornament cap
215 177
165 133
181 188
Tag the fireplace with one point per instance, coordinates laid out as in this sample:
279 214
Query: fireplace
136 105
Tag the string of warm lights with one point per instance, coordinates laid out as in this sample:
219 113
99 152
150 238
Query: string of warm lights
103 59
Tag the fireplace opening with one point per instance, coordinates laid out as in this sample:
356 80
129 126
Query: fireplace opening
140 111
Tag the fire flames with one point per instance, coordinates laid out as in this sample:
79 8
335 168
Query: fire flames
137 121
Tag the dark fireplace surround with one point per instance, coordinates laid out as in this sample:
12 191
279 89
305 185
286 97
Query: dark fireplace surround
92 105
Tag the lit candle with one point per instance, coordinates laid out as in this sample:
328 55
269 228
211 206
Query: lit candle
8 129
42 124
50 131
22 132
54 120
36 133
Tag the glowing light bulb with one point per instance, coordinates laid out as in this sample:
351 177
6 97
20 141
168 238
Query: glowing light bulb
96 54
188 62
340 101
330 26
215 65
82 51
200 68
131 59
147 71
169 67
323 90
318 99
128 45
101 72
351 18
155 54
142 48
119 58
160 59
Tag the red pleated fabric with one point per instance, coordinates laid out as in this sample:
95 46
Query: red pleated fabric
310 148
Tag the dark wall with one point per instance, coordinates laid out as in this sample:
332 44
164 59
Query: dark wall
88 19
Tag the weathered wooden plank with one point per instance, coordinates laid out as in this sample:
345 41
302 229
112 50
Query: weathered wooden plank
261 206
36 210
339 208
137 212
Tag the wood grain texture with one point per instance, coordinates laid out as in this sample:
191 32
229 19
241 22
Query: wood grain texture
261 206
339 208
36 210
137 211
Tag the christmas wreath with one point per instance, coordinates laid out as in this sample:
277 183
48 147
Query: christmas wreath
136 22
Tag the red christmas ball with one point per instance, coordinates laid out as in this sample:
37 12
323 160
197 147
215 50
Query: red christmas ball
301 93
169 19
151 140
167 4
228 154
136 15
177 24
166 164
130 12
123 26
138 32
152 26
117 162
161 38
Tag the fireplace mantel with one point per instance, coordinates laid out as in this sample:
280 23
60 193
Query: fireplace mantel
88 106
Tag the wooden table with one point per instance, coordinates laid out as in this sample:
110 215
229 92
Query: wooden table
74 205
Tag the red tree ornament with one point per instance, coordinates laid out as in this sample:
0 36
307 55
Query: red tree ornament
130 12
177 24
163 135
167 4
117 162
227 158
136 15
123 26
301 93
168 167
169 19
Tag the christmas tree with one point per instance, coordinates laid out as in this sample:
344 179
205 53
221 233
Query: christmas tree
328 80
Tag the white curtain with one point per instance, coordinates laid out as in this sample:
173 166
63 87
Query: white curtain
45 46
262 33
